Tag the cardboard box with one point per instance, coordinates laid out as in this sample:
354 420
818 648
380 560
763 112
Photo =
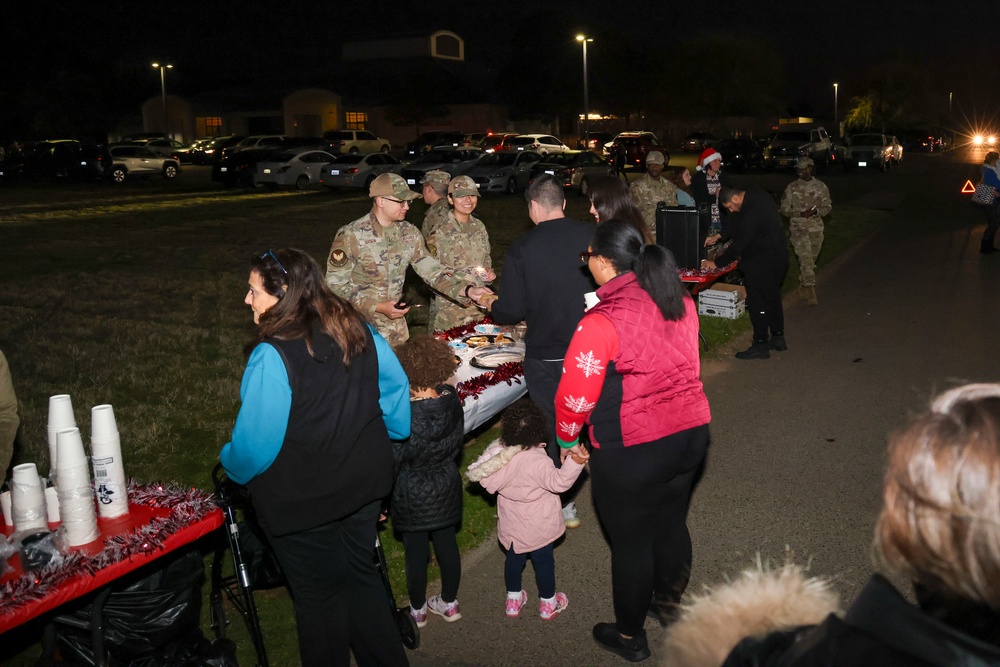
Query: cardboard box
730 312
723 293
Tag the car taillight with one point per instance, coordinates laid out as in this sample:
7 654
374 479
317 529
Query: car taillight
352 170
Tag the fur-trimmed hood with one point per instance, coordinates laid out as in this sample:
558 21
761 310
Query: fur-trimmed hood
493 458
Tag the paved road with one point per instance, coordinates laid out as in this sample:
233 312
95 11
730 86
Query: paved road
798 440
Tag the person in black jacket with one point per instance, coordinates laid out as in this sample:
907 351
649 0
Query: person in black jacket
758 241
427 498
543 283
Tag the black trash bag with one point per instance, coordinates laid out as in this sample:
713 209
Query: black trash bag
150 620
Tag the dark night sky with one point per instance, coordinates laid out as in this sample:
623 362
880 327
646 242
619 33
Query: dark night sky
215 42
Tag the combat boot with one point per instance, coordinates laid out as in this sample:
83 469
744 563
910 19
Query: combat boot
759 350
809 294
777 342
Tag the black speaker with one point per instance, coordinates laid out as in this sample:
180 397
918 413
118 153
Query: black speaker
682 231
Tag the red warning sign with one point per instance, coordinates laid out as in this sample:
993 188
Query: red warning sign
968 188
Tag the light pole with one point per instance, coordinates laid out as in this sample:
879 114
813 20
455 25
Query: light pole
836 125
163 91
583 39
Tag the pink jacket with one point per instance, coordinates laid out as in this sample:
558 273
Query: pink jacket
527 484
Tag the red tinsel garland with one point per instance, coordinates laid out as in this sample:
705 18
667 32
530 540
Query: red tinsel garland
510 373
706 273
461 330
186 506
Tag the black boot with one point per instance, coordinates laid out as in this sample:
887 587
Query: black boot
634 649
777 342
759 350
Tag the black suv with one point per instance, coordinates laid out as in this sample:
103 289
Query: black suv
58 159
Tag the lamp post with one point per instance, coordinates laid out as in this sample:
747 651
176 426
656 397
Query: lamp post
583 39
836 86
163 92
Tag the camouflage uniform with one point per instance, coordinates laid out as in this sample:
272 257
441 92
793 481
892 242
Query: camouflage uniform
806 233
367 265
460 248
648 192
437 213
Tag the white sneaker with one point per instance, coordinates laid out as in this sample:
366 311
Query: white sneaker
446 610
569 515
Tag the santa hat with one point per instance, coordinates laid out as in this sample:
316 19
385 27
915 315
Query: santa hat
707 156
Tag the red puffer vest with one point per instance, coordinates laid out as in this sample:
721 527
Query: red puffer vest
658 390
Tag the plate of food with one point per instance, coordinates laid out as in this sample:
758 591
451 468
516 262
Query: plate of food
458 361
483 340
458 346
493 357
489 329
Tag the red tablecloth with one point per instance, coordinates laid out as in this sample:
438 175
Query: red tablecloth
160 520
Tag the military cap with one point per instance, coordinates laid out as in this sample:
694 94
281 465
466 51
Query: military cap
463 186
804 163
654 157
436 176
392 185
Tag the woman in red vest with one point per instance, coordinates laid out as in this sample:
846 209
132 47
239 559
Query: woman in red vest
632 375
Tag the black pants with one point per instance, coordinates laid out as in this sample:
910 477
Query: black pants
762 279
992 222
340 602
542 379
418 555
543 560
642 494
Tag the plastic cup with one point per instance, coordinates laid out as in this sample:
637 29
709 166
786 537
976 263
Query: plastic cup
5 506
69 448
591 300
102 423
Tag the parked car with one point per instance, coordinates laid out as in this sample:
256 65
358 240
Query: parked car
165 146
455 161
430 140
543 144
297 167
596 141
357 171
794 141
868 149
211 151
238 168
254 141
637 146
897 149
58 159
473 138
129 161
497 141
696 142
186 154
355 141
574 169
741 154
505 171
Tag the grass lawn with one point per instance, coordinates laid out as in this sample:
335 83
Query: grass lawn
134 297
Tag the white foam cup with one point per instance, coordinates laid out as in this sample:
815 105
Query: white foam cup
52 504
27 474
5 506
69 446
591 300
61 411
102 423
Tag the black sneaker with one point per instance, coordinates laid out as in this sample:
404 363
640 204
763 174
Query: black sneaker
635 649
777 343
759 350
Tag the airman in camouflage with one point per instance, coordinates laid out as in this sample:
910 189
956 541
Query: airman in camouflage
368 260
651 189
461 245
435 191
805 202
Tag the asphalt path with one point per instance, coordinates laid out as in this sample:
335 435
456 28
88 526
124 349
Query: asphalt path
798 440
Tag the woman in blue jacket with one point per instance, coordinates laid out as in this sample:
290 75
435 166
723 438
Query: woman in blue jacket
990 177
321 395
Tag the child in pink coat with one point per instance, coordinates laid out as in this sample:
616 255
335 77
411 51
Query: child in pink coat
527 485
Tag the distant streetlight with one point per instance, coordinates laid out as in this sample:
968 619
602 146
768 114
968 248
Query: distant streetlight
836 86
163 91
583 39
949 103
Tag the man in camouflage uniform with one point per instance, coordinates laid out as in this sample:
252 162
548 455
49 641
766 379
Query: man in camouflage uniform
805 202
461 245
651 189
435 191
368 260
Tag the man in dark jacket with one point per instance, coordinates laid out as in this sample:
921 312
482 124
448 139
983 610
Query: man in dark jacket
543 283
758 241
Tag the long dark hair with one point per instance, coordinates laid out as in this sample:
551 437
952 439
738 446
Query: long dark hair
654 266
613 201
305 301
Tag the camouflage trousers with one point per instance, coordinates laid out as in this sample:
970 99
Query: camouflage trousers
806 235
446 314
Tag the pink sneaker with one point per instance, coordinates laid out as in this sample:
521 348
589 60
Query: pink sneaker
446 610
549 610
514 606
419 615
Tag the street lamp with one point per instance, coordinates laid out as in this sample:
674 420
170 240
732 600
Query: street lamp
583 39
836 86
163 91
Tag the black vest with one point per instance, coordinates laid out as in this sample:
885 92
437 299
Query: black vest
336 457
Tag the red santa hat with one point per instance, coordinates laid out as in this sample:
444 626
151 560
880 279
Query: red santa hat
707 156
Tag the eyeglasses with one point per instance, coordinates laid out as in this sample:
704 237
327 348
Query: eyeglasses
401 202
270 253
586 255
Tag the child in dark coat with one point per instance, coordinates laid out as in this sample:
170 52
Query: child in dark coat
427 498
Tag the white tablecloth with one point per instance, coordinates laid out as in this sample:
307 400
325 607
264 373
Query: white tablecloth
495 398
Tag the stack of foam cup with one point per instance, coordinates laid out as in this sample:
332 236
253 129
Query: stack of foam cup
8 518
27 499
60 417
106 457
76 497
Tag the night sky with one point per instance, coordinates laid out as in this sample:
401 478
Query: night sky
84 56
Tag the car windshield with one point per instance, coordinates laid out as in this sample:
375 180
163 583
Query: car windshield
792 136
561 158
504 159
866 140
521 141
349 159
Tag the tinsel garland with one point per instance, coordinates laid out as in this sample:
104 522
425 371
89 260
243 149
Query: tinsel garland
510 373
706 273
187 506
462 330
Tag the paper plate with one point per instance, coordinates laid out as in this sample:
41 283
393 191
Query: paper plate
491 329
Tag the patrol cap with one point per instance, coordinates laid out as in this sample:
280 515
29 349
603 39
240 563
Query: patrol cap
463 186
654 157
436 176
804 163
392 185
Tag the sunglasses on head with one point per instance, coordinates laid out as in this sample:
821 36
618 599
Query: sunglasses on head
270 253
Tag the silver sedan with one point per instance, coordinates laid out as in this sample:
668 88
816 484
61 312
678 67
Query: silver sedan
357 171
297 167
503 171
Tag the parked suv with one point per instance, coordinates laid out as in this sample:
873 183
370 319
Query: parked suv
141 162
794 141
355 141
637 146
869 149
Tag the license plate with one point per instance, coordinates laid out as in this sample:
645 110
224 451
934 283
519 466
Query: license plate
862 163
223 168
335 172
411 181
551 172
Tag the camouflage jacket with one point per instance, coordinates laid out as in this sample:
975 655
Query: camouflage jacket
367 265
803 195
647 193
436 214
460 248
